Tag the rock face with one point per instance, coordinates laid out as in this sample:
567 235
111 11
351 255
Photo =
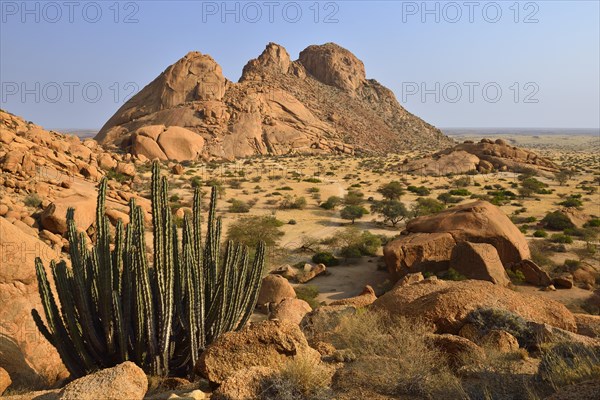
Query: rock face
5 380
427 242
321 103
265 344
125 381
485 157
446 304
479 261
24 352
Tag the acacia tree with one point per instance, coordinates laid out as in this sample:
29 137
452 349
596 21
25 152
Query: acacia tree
392 190
392 211
353 212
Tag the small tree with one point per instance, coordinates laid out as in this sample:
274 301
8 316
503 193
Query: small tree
392 211
562 177
331 203
251 230
353 212
392 190
354 198
426 206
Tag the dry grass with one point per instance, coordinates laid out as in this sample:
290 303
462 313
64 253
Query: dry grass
391 357
299 379
569 363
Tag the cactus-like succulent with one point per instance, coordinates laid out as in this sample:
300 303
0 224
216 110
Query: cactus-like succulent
113 305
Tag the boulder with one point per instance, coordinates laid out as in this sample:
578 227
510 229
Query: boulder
181 144
366 297
427 242
24 352
54 217
125 381
588 325
265 344
410 279
418 252
274 288
457 162
5 380
292 310
479 261
125 168
457 349
243 384
106 162
500 341
287 271
532 272
446 304
564 281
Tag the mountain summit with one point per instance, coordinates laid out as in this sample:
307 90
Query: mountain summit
320 103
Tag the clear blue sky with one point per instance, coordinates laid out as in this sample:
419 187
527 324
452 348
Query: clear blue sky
550 49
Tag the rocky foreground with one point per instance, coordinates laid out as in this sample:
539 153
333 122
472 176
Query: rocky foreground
320 103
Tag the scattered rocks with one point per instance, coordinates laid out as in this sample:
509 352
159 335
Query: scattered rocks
310 273
243 384
532 272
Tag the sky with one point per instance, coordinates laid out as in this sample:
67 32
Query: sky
531 64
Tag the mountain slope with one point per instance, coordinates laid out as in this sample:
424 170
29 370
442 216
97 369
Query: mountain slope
320 103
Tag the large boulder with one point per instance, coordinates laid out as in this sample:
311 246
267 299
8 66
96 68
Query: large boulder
479 261
274 288
446 304
54 217
181 144
265 344
125 381
24 353
427 242
243 384
532 272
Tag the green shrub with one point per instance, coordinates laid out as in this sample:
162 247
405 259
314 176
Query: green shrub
452 275
419 191
325 258
392 190
292 222
557 221
292 203
571 202
460 192
312 180
331 203
353 212
561 238
516 276
426 206
540 233
251 230
309 294
592 223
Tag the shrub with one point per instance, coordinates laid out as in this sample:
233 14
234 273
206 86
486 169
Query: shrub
516 276
419 191
235 184
309 294
113 175
312 180
592 223
354 243
354 198
569 363
292 222
540 233
407 365
238 206
426 206
298 379
452 275
557 221
250 230
33 200
331 203
292 203
196 181
325 258
487 319
571 202
460 192
561 238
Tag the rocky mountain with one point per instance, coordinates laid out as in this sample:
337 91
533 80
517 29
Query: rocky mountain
320 103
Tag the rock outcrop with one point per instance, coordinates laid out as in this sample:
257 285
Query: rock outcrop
274 289
321 103
446 304
427 242
478 261
486 156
